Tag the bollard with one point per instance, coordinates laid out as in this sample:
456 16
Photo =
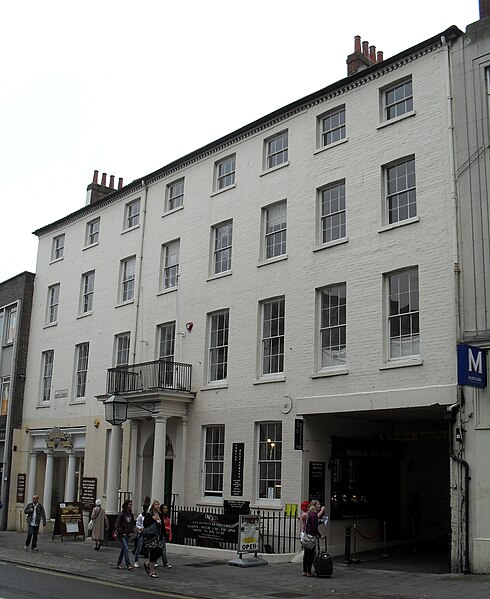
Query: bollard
385 554
354 559
348 529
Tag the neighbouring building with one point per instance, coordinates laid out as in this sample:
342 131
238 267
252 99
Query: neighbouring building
15 316
278 308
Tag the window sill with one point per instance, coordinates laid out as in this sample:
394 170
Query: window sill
43 405
50 324
130 229
215 385
331 244
402 363
264 503
210 500
165 291
397 119
272 260
401 223
270 378
85 315
332 145
218 191
220 275
77 402
167 212
57 260
274 168
120 305
92 245
334 371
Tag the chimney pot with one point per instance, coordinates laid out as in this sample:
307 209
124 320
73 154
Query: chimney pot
111 182
104 177
120 184
95 177
372 53
357 43
380 56
365 46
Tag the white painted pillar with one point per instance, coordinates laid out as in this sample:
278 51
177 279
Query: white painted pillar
112 506
48 483
158 473
31 485
70 477
133 454
182 453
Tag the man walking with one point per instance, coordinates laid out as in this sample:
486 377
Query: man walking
35 514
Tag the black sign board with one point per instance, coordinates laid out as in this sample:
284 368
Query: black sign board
88 493
208 529
298 433
21 488
317 481
234 506
237 457
69 520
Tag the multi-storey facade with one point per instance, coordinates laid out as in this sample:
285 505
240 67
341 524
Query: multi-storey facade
303 268
15 315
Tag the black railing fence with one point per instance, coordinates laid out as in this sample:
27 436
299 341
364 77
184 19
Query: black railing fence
211 527
147 376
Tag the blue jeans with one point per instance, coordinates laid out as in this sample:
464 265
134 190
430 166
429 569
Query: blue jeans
139 547
124 553
32 532
164 552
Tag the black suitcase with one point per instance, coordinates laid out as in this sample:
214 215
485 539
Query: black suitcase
323 561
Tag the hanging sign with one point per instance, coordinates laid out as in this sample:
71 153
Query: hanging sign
472 366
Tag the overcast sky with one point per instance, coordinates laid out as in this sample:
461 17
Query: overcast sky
127 87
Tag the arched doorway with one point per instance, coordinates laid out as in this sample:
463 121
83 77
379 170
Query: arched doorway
147 469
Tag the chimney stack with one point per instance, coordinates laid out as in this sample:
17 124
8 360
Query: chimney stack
96 191
120 184
104 177
363 58
484 8
111 182
96 177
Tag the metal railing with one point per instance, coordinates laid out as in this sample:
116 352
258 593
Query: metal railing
147 376
279 532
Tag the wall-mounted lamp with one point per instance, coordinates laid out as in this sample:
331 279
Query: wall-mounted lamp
97 422
26 428
188 326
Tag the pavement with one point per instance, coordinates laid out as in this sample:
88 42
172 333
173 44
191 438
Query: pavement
400 576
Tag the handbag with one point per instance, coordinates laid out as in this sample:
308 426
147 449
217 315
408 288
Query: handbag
115 535
90 525
150 531
308 541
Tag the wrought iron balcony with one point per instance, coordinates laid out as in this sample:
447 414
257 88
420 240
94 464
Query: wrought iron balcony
150 376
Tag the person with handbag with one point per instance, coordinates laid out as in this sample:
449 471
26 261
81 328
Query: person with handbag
123 529
98 524
309 540
152 533
166 533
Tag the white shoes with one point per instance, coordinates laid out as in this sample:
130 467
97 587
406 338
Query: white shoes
136 565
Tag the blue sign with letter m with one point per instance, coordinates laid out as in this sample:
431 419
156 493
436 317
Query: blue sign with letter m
472 366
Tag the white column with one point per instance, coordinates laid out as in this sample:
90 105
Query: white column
181 453
113 462
70 477
48 483
133 453
158 473
31 485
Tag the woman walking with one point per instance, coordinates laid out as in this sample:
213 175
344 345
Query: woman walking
152 533
309 540
166 533
124 529
99 524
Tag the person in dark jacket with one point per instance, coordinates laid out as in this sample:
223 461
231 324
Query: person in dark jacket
124 528
311 528
35 515
152 533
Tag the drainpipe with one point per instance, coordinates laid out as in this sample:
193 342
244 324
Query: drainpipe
465 465
140 269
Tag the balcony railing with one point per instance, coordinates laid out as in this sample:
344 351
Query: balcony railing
150 376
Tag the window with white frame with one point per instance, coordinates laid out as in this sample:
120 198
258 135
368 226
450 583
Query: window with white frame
401 197
273 316
170 260
10 324
132 214
127 279
92 232
275 227
123 342
53 302
398 99
332 126
87 299
175 194
225 173
222 245
218 346
270 460
333 319
4 395
332 212
47 374
58 247
214 459
166 353
82 351
403 314
276 150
